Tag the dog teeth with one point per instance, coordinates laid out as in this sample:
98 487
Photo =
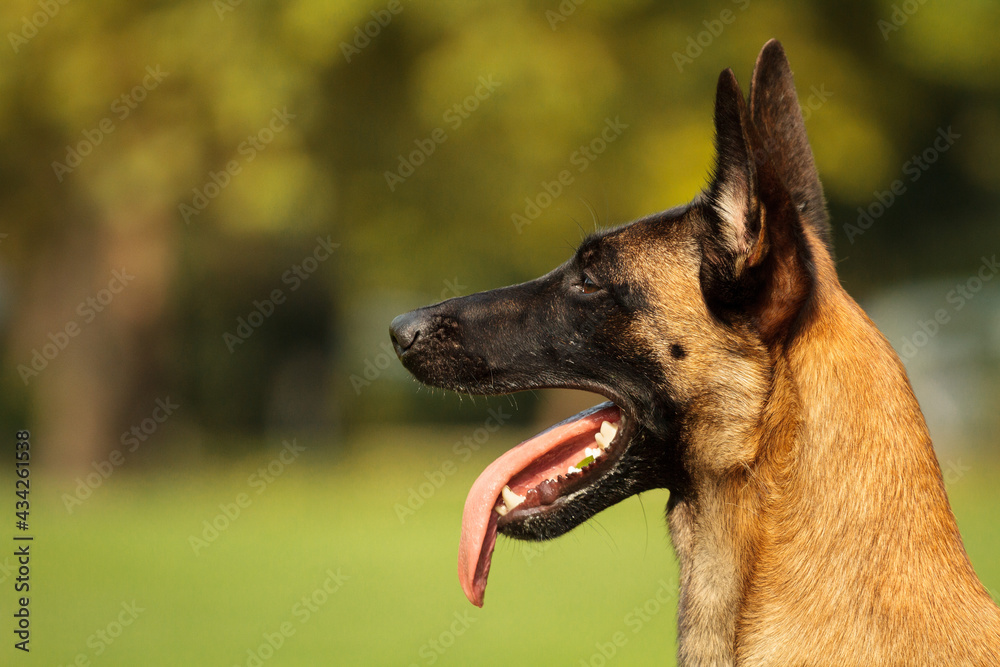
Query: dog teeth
510 499
603 438
609 431
606 434
501 510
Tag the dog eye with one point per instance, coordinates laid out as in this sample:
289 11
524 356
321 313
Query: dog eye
588 286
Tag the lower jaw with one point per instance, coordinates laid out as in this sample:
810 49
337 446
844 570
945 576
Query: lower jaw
537 524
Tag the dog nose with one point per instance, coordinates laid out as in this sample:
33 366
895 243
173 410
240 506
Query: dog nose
405 329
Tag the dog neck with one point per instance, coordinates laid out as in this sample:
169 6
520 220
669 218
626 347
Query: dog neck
840 487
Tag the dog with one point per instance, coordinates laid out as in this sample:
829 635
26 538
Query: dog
807 508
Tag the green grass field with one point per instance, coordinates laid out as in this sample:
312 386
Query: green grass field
392 595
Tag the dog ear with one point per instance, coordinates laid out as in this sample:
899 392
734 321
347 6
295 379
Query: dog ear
777 117
755 262
735 239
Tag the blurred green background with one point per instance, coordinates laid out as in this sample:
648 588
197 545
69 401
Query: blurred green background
211 210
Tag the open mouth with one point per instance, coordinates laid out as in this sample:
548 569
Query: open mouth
536 477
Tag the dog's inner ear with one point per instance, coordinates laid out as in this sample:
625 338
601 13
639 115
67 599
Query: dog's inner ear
754 256
736 231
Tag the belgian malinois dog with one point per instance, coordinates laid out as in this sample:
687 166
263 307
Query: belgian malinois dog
807 507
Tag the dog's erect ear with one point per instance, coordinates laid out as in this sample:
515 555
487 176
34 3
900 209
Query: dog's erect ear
735 239
777 117
755 261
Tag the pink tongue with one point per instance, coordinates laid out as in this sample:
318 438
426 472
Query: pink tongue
479 521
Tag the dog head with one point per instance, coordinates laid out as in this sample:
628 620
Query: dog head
677 319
